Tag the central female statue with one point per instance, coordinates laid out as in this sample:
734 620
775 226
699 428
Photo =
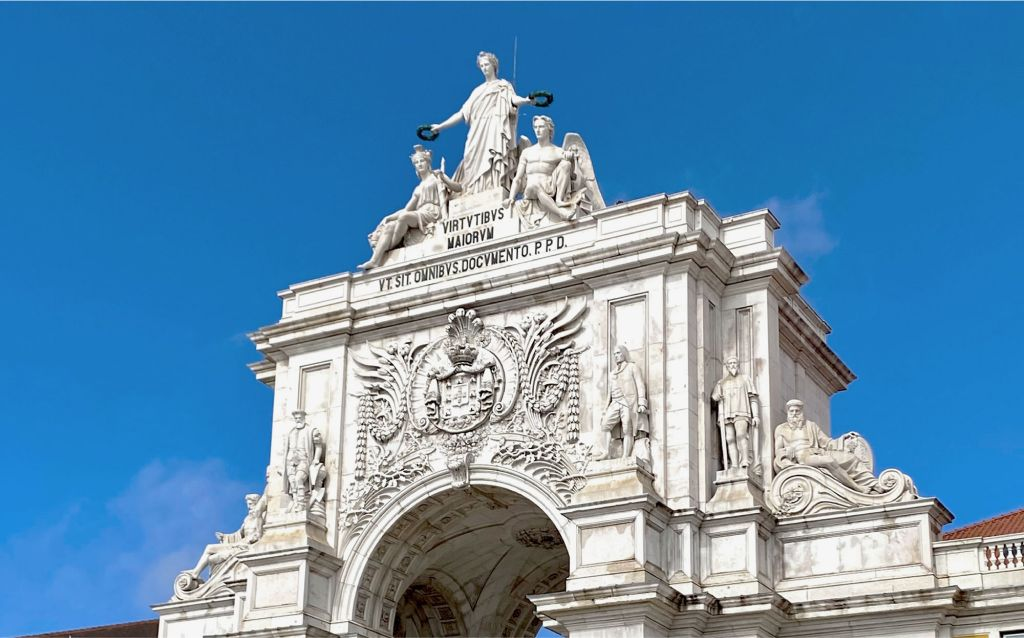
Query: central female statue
491 112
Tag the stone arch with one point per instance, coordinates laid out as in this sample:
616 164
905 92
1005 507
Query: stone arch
392 556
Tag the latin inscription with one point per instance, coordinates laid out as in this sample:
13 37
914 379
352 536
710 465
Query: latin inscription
473 228
496 257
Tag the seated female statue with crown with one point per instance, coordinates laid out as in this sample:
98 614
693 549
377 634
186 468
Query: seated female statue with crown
428 204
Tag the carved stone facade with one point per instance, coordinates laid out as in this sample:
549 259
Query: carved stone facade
468 405
502 395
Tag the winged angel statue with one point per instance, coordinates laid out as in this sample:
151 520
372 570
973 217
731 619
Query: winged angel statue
556 183
509 396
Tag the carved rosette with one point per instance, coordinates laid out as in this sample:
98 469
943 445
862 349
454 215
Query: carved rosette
508 396
801 489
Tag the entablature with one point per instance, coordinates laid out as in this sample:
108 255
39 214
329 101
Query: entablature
671 229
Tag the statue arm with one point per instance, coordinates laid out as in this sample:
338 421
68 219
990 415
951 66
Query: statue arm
824 441
641 388
233 537
452 120
755 403
411 206
452 185
519 101
517 182
779 450
258 532
318 446
782 455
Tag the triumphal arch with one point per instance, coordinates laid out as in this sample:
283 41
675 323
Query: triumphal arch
532 406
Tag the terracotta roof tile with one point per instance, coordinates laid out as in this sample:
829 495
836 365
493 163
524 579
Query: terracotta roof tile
138 629
1009 523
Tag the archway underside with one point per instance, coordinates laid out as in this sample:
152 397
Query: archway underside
462 563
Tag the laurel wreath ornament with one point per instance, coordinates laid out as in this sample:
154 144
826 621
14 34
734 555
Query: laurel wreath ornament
426 133
543 99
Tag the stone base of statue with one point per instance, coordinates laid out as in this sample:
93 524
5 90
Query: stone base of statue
474 202
472 220
289 529
736 489
616 478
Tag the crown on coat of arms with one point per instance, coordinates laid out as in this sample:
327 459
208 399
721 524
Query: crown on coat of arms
465 332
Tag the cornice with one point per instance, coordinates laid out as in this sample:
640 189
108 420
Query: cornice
812 351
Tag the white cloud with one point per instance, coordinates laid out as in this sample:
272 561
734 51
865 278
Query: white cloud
803 231
98 567
172 508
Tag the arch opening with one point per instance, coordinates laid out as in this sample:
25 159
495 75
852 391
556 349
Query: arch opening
463 563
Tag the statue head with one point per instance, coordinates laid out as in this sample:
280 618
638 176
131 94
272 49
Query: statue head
795 412
487 62
251 500
732 365
621 354
422 159
299 416
542 123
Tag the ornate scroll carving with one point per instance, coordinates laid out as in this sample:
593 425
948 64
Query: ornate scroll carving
385 374
509 396
386 478
801 489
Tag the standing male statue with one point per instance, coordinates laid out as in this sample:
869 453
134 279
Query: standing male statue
303 463
491 112
799 441
627 407
738 410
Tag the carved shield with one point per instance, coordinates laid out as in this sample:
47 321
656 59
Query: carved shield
466 400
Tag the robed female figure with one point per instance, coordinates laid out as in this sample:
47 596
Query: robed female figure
491 113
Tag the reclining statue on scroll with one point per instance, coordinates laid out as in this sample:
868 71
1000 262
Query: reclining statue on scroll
819 474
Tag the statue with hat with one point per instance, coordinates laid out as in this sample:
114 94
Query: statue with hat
304 470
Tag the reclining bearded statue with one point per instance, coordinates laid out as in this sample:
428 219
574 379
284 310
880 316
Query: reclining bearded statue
799 441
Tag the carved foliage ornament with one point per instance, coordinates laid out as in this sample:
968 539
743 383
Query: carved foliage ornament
507 395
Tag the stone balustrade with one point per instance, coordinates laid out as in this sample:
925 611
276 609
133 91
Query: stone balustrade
1004 553
973 563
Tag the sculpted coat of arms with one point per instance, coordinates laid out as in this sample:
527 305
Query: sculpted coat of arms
473 373
502 395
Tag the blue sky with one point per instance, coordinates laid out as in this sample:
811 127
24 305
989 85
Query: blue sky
166 168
